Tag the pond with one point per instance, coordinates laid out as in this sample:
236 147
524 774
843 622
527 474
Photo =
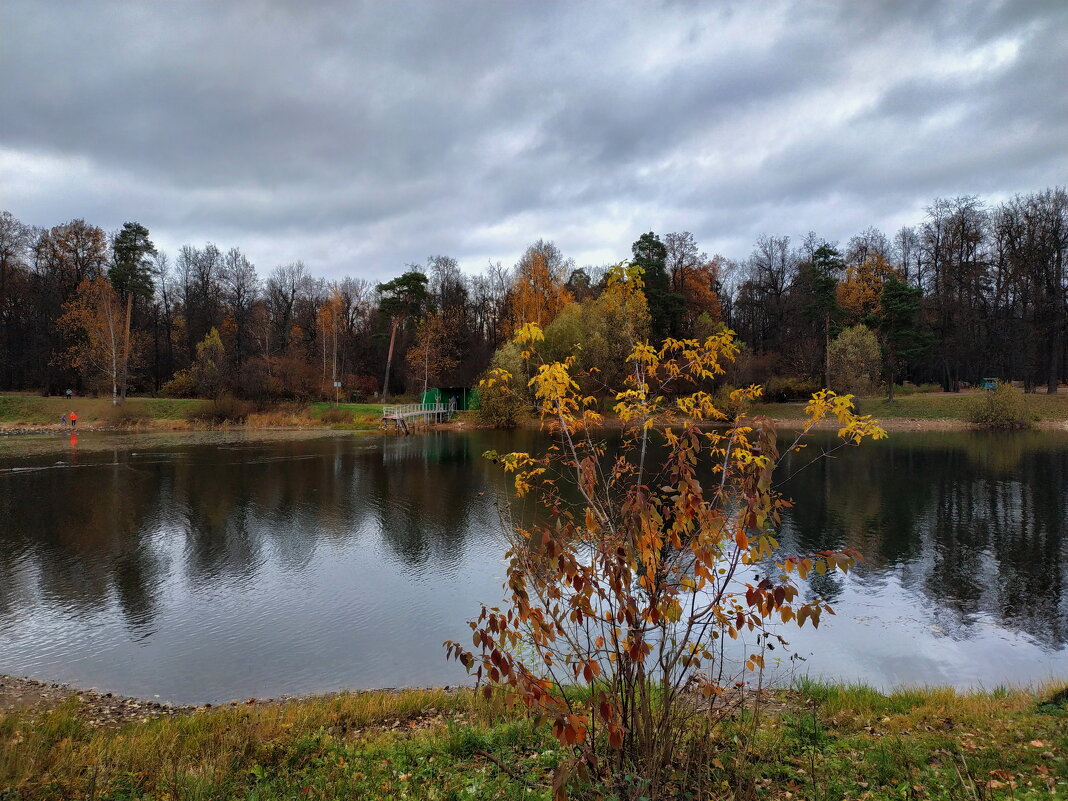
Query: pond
205 568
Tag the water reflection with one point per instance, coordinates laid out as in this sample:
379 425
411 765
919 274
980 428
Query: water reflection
220 570
974 523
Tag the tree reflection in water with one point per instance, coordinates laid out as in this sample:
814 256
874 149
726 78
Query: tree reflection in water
972 521
345 560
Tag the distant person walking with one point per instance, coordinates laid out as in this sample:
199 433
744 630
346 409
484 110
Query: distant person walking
64 419
70 394
73 420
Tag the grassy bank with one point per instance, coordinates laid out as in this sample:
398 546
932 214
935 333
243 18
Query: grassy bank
933 406
32 411
813 742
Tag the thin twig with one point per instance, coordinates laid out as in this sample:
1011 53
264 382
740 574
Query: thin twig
502 766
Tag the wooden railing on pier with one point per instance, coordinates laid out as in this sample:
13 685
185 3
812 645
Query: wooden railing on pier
409 416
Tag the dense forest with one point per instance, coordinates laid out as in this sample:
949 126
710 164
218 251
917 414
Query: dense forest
972 290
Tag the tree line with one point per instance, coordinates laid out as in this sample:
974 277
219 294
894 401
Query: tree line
972 290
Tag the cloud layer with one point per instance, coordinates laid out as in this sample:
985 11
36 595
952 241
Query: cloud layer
361 137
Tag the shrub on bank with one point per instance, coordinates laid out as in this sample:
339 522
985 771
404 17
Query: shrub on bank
856 361
121 417
336 417
503 402
908 388
787 389
224 409
1002 407
182 385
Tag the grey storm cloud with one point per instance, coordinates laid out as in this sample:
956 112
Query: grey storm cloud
361 137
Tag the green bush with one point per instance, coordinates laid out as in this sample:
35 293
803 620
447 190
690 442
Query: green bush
908 388
500 408
1002 407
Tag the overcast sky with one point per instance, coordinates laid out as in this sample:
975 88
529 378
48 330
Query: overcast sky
362 137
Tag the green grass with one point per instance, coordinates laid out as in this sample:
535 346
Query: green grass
33 410
926 406
816 741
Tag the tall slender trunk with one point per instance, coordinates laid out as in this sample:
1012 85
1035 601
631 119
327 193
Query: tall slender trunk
389 360
827 348
126 346
1054 352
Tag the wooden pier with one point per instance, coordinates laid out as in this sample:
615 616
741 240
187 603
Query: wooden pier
410 416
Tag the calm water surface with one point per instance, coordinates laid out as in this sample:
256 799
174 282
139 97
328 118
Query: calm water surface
207 568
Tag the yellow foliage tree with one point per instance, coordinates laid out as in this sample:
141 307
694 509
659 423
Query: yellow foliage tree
859 292
538 292
699 289
632 574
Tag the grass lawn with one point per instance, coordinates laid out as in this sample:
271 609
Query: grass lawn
927 406
814 742
30 410
35 410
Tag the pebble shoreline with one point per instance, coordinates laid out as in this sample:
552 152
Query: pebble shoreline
108 710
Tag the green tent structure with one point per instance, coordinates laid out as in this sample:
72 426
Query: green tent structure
466 397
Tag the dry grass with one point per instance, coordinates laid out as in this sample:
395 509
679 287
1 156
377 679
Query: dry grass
57 755
817 741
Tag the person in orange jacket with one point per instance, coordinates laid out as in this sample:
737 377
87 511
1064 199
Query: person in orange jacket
73 420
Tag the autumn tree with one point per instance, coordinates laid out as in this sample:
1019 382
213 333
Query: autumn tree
93 320
210 366
637 563
328 323
538 292
433 355
858 293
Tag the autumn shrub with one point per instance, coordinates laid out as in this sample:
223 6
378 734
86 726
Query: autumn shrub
856 361
182 385
1002 407
642 562
223 409
503 403
336 416
121 416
